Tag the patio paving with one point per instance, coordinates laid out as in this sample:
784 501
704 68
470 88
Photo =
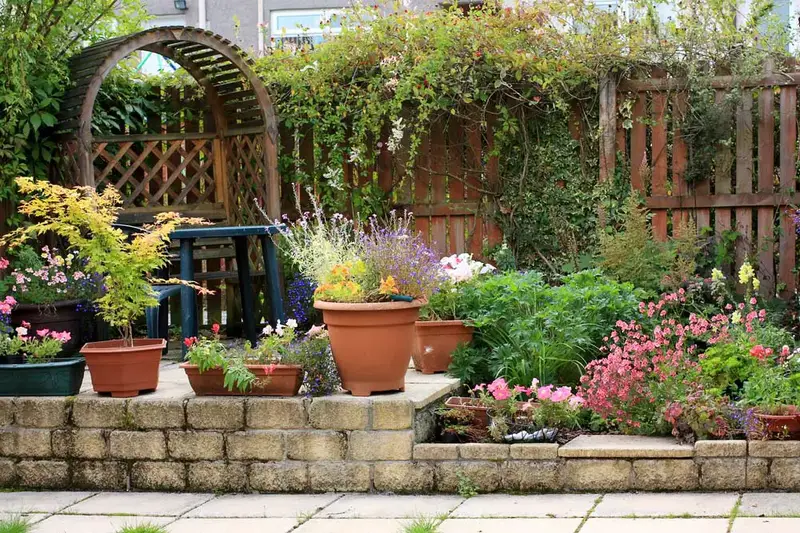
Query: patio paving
60 512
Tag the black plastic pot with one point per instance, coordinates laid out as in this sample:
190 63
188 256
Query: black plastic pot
59 378
59 316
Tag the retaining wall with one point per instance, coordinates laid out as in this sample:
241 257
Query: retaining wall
341 444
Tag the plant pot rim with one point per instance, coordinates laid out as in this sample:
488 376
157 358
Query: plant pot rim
795 414
190 366
58 303
435 323
52 364
367 306
103 347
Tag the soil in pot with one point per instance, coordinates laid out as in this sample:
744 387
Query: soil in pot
435 343
371 343
282 380
124 371
60 316
58 378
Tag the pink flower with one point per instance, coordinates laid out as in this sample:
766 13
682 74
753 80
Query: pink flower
759 352
561 394
785 351
26 324
190 341
269 369
499 389
753 301
480 387
61 336
215 329
544 393
42 332
3 263
520 388
576 401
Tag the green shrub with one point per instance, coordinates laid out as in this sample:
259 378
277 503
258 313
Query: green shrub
528 329
15 525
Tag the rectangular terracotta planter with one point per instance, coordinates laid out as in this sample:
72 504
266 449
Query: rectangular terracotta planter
283 380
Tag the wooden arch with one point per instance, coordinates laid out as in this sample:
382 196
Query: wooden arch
240 170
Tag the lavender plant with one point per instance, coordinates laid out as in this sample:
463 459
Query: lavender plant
395 251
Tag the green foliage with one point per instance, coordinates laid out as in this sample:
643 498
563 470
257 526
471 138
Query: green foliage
526 329
725 368
37 38
84 219
15 525
143 528
466 487
423 525
633 255
772 388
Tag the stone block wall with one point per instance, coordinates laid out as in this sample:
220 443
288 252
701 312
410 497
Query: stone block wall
341 444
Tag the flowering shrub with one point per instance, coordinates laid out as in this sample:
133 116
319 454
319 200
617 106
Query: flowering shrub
313 353
447 302
300 300
461 267
47 277
41 347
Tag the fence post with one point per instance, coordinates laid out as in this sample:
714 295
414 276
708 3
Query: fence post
608 133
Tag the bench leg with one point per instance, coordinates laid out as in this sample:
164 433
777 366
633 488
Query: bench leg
188 297
246 290
152 317
273 279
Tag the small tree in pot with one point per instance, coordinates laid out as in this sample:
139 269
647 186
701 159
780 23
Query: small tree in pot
85 218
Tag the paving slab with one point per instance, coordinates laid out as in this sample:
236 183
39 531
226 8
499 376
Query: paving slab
621 446
655 525
387 506
238 525
139 503
678 504
507 525
770 504
766 525
39 502
263 506
352 525
533 506
94 524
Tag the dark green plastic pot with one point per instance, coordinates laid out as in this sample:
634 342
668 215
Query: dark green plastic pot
59 378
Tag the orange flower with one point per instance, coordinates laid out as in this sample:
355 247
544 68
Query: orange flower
388 287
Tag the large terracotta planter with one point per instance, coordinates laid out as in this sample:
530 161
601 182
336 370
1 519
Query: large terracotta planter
58 378
283 380
371 343
436 342
59 316
124 371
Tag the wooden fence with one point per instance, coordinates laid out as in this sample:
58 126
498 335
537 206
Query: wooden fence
753 187
446 189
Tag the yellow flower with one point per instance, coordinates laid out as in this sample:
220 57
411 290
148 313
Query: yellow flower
746 273
717 275
388 287
756 284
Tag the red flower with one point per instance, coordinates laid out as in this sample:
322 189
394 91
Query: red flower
215 329
190 341
759 352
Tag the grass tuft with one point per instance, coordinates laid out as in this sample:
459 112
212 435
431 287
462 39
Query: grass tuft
423 525
143 528
15 525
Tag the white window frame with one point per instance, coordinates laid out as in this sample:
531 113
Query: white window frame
295 32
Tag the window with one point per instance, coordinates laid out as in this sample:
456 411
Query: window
150 62
304 26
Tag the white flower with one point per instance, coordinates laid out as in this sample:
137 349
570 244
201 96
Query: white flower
279 330
267 330
22 331
291 323
428 349
316 330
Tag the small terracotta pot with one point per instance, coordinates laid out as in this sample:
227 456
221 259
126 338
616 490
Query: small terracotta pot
371 343
436 342
780 424
481 412
124 371
284 380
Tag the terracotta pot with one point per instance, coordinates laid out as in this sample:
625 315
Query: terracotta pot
124 371
780 424
284 380
481 412
436 342
371 343
59 316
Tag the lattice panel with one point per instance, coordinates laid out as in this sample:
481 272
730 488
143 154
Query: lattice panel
155 172
65 169
247 177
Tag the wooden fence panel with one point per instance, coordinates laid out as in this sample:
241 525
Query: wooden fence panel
750 204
